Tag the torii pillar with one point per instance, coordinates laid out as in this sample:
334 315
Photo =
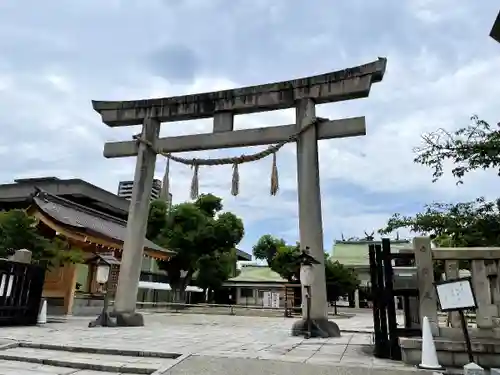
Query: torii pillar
302 94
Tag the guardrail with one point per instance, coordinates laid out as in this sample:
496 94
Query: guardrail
216 308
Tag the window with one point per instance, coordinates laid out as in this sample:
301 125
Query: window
246 292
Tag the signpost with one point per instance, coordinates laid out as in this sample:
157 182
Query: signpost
271 300
458 295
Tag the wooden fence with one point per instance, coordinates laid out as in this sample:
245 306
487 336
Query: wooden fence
21 288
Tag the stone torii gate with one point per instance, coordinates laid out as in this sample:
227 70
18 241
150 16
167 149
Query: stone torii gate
303 94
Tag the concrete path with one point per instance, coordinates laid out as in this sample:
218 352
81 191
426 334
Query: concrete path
216 366
204 337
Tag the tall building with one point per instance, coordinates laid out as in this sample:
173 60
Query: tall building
125 189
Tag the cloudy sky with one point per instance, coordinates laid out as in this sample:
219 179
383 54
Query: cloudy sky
56 56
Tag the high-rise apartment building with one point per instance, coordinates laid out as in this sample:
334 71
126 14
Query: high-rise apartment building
125 189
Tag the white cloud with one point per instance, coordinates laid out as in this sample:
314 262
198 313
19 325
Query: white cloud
56 60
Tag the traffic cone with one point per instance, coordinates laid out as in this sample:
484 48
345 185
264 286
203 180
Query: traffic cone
429 355
42 316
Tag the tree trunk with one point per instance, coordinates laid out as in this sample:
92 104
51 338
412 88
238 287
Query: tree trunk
179 288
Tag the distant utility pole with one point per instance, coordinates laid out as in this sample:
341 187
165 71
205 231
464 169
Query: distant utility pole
495 30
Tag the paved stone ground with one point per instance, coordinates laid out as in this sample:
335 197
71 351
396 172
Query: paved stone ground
209 336
216 365
22 368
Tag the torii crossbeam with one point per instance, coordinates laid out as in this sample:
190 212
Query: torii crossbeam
303 94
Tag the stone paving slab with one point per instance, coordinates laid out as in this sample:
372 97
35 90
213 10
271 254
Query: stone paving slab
22 368
87 361
261 338
216 365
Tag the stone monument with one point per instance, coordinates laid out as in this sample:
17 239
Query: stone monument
302 94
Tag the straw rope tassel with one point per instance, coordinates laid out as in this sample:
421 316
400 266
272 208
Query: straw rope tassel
165 188
235 183
195 182
275 184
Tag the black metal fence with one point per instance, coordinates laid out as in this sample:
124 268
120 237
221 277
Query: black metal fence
21 287
386 330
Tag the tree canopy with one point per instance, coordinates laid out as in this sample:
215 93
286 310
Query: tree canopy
476 146
18 231
200 234
214 269
280 257
340 280
474 223
284 260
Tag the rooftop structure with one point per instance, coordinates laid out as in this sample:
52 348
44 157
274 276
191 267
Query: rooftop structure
251 273
125 189
19 193
354 253
495 30
85 225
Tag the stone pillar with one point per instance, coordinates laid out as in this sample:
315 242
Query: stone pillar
425 275
356 298
131 262
21 256
310 220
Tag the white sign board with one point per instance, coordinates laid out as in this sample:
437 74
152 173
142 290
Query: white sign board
271 300
456 295
275 300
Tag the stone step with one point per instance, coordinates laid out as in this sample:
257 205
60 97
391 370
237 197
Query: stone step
124 364
24 368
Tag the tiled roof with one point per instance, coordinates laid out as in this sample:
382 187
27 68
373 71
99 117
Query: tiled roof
257 274
352 253
242 254
86 219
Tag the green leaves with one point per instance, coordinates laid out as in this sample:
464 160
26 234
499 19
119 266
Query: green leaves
340 280
474 223
284 260
202 236
266 247
157 219
214 269
476 146
19 231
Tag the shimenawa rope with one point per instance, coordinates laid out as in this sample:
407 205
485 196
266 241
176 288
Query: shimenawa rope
235 161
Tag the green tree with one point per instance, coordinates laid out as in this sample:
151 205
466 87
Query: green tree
340 280
266 248
284 260
18 231
280 257
157 219
193 230
476 146
475 223
214 269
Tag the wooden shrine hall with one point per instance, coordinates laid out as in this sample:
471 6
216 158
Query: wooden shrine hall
89 230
